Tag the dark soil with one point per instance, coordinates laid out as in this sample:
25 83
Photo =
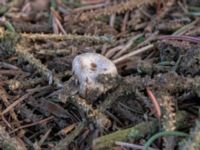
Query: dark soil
157 91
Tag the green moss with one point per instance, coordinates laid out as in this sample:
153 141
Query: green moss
8 41
133 133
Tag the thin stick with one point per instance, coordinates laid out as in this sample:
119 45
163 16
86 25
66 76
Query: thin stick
141 50
182 38
10 72
4 97
6 122
112 51
57 20
63 144
60 26
33 124
124 23
112 20
127 45
44 137
185 28
8 66
10 107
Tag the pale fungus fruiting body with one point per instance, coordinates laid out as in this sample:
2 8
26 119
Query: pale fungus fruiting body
88 68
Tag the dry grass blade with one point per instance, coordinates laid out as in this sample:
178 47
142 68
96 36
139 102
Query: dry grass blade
112 51
127 46
57 22
131 54
182 38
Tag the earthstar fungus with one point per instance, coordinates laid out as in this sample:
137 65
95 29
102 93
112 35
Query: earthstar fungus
89 69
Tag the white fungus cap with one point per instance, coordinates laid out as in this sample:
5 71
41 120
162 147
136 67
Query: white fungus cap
87 67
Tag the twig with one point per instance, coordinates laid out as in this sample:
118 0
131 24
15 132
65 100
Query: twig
60 26
54 26
62 145
144 12
182 38
67 129
8 66
33 124
44 137
4 97
141 50
128 45
56 20
10 72
6 122
10 107
185 10
152 37
112 20
112 51
185 28
124 23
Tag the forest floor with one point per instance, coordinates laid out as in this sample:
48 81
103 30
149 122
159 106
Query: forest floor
154 104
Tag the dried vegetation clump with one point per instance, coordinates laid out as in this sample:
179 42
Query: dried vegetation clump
152 104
